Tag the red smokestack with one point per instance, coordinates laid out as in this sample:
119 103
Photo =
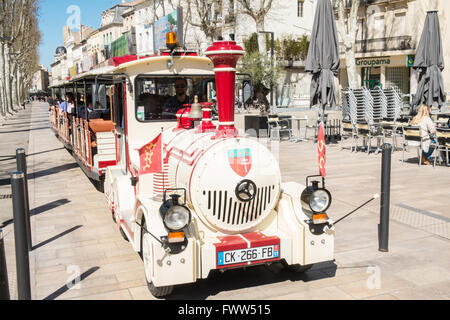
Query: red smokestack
206 125
225 55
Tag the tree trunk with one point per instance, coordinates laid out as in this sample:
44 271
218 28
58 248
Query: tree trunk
261 37
17 79
2 105
15 101
351 67
21 88
2 96
9 105
3 100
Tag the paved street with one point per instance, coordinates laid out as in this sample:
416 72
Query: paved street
73 231
13 134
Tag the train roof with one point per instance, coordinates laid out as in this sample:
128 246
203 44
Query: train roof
145 61
182 65
93 73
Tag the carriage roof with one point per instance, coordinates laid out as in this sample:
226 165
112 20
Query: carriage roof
155 65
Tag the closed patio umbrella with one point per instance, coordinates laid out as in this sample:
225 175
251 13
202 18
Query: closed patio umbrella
429 63
323 56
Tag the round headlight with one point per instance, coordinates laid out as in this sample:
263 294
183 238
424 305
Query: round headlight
320 200
177 217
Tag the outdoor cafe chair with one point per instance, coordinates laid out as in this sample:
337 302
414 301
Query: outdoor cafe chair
278 126
375 132
412 138
393 130
367 133
348 130
443 144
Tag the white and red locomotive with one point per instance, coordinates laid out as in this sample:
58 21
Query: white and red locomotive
218 201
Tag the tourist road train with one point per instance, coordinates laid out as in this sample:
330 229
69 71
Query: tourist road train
189 192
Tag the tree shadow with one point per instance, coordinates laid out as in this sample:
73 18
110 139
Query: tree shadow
43 173
62 234
49 206
235 279
53 170
12 157
40 209
25 130
70 284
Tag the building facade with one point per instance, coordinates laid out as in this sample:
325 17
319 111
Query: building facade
386 42
144 29
40 81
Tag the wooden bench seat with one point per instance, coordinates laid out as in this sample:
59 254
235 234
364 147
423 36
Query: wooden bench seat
100 125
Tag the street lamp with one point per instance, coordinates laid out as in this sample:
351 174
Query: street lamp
272 56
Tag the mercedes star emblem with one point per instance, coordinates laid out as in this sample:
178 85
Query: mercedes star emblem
246 191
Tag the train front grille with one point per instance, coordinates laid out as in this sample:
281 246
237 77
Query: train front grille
226 212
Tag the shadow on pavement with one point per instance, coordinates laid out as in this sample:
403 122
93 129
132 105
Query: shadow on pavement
33 129
71 284
49 206
40 209
53 170
43 173
235 279
62 234
12 157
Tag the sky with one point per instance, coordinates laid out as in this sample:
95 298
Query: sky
53 16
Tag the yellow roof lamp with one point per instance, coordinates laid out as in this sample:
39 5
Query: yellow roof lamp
171 40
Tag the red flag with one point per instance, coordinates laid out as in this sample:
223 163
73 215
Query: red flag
150 156
322 150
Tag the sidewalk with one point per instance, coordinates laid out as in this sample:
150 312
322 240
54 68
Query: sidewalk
73 233
14 134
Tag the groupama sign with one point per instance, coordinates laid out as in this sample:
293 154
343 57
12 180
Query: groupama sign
373 62
393 61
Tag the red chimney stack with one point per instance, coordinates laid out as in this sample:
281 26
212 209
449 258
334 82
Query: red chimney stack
225 55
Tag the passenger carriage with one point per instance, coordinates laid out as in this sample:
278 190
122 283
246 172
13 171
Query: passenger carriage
193 195
91 141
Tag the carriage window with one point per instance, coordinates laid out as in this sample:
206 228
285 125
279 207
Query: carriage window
161 98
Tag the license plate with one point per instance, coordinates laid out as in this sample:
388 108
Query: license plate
232 257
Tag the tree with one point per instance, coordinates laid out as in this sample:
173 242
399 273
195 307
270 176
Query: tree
19 40
290 49
263 71
258 14
347 25
206 13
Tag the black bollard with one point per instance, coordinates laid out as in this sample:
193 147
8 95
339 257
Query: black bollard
383 227
20 236
21 160
4 286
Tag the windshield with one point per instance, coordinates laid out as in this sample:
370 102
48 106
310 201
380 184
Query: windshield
159 98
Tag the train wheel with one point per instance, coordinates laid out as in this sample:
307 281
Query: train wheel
146 244
296 267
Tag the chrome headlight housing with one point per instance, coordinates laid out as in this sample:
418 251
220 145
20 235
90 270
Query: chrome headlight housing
177 218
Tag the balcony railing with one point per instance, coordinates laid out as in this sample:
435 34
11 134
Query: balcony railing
399 43
348 3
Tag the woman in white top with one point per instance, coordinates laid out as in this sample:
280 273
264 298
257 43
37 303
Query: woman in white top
427 130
